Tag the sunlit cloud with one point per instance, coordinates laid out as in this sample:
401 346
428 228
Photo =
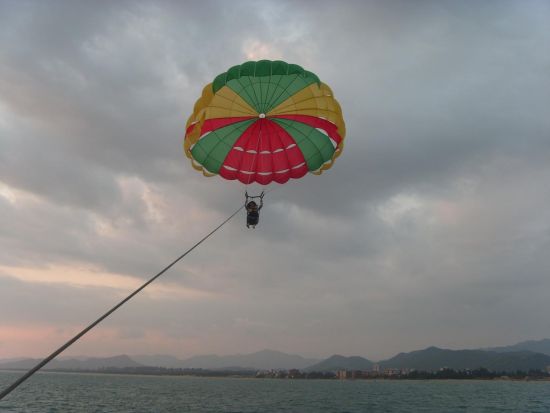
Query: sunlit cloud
20 341
254 49
400 207
18 196
7 193
86 276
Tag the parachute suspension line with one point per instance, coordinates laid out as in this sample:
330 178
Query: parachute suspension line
13 386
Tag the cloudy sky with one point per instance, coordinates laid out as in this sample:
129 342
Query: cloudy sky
433 227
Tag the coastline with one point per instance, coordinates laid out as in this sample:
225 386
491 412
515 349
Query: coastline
252 374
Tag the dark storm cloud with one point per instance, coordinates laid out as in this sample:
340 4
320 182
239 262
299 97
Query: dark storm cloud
433 215
116 91
433 93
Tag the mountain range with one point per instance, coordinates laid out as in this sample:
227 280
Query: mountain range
260 360
433 358
90 363
338 362
538 346
519 356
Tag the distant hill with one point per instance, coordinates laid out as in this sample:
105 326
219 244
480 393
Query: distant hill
433 358
261 360
338 362
527 355
12 359
91 363
538 346
159 360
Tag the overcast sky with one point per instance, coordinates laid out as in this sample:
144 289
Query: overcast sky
432 228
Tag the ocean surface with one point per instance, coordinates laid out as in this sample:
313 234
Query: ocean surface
74 392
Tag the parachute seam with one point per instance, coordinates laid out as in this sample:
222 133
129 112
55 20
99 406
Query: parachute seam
301 72
323 128
315 146
254 91
306 84
220 141
239 168
234 102
307 137
322 95
268 104
288 163
244 91
221 107
255 167
269 83
274 99
289 166
243 146
334 116
269 126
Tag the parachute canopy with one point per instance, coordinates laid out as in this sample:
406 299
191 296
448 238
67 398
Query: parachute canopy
265 121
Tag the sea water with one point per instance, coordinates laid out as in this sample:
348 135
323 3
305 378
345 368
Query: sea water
75 392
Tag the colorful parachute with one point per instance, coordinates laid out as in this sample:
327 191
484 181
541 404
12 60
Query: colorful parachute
265 121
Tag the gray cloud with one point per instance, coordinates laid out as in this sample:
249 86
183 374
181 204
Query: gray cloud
430 227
